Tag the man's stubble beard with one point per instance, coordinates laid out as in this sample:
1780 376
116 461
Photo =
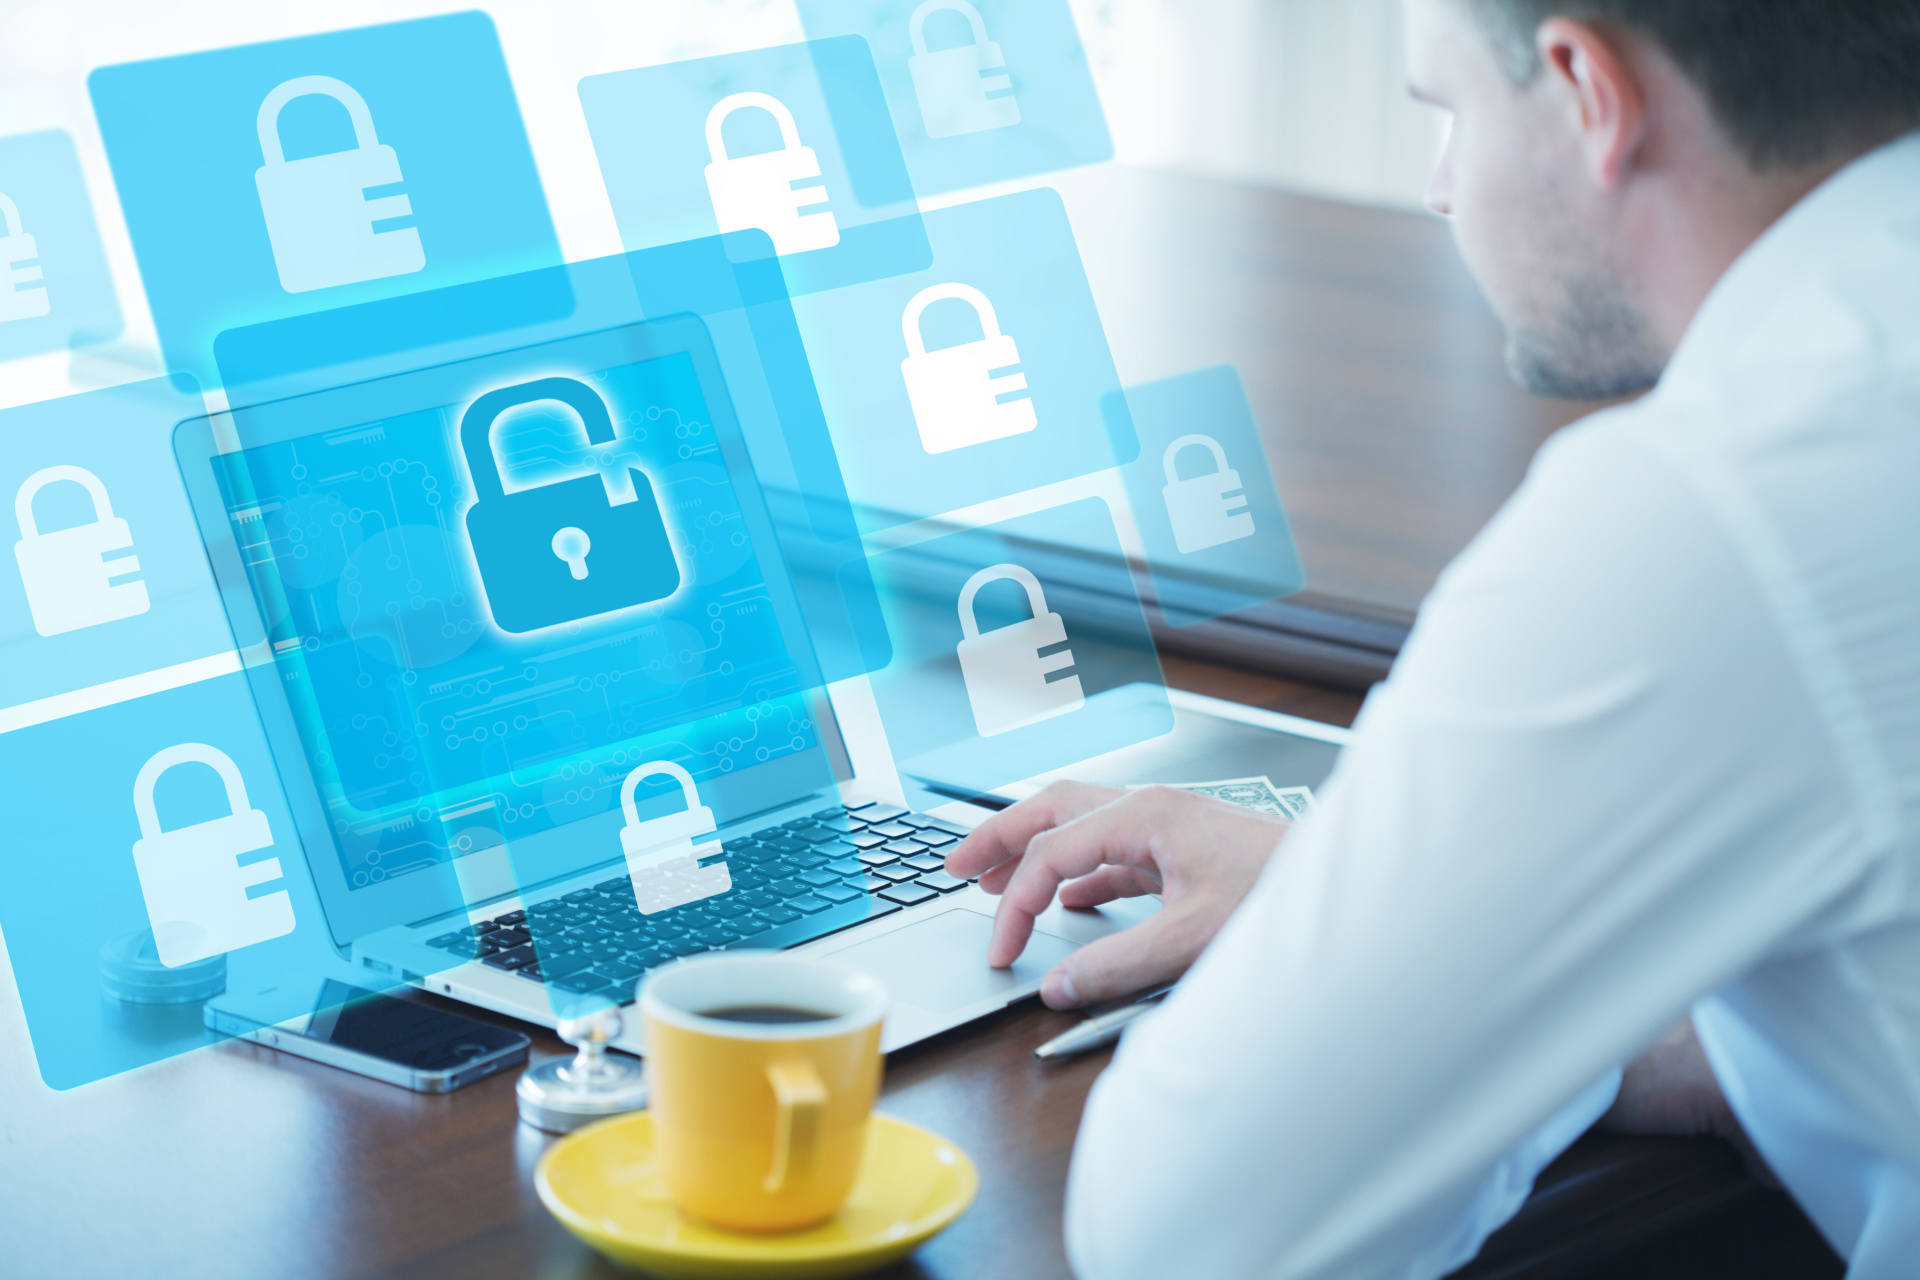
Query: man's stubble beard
1595 345
1580 335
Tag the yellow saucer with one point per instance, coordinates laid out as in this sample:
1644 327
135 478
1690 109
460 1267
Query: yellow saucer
604 1186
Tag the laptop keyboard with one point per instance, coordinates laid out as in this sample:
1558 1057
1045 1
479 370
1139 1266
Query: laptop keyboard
801 880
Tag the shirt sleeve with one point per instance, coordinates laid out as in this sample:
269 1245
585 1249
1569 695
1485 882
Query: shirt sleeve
1594 788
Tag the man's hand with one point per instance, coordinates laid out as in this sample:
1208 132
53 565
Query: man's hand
1095 844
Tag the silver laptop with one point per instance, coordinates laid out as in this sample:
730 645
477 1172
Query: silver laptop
529 817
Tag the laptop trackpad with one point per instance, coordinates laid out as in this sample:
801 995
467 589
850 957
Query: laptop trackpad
940 965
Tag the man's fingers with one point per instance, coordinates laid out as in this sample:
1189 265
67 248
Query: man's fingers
1117 965
1122 831
1005 835
1105 885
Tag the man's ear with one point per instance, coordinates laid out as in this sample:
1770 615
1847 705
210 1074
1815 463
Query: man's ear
1604 99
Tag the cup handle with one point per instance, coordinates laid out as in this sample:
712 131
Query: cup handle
801 1105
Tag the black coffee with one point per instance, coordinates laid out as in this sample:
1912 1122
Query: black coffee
765 1013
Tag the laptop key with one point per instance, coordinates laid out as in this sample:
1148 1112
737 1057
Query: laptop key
676 947
865 840
513 958
715 937
562 966
835 821
891 830
788 888
896 873
837 892
831 811
808 903
870 884
882 813
619 884
908 895
904 848
937 838
531 972
818 878
927 862
942 882
878 857
451 941
846 866
858 806
778 915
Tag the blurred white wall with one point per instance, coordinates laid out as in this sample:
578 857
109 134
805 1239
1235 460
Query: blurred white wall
1307 94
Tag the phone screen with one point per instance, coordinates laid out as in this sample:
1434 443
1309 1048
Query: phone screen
399 1031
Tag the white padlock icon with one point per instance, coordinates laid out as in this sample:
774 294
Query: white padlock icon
191 877
69 581
1005 674
757 191
1206 510
17 301
662 861
952 84
954 394
319 220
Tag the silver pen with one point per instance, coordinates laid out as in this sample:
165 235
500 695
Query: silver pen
1103 1030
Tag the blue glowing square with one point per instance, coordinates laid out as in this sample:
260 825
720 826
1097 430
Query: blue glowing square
981 92
980 377
1019 648
86 874
55 289
793 141
1204 498
90 595
278 179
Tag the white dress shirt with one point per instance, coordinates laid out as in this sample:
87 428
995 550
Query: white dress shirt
1654 743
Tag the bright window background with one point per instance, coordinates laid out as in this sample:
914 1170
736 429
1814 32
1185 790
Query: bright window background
1304 94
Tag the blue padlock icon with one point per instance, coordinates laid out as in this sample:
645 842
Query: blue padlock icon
560 552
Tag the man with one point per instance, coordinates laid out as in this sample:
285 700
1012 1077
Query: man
1655 743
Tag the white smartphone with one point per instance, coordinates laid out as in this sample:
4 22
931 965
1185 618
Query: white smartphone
412 1045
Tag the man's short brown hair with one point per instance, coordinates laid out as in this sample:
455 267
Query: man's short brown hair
1791 82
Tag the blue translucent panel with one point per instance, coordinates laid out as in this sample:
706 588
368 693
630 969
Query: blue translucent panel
980 92
449 678
985 688
762 361
977 378
276 179
83 879
793 141
1203 496
96 592
55 289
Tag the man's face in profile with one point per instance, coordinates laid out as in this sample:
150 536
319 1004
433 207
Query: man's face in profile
1544 240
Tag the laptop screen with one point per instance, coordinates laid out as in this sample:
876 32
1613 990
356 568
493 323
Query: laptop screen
457 681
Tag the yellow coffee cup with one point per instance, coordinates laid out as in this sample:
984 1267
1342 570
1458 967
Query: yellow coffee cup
762 1069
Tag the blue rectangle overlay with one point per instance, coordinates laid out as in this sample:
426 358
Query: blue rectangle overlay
981 91
981 376
277 179
55 289
1020 648
794 142
1204 498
